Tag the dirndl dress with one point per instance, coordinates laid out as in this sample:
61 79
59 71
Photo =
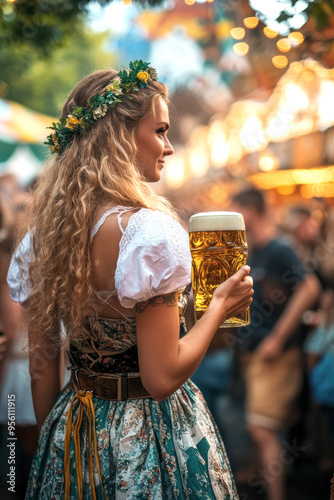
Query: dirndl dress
93 448
145 449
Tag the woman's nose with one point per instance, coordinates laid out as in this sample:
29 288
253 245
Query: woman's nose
168 150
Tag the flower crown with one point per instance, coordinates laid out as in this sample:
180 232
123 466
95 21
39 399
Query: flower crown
81 118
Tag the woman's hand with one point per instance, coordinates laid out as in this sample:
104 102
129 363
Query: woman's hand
165 360
234 295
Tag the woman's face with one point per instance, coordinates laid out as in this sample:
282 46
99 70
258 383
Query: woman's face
152 143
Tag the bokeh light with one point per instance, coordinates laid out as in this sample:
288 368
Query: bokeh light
296 38
280 61
269 32
237 33
241 48
251 22
284 45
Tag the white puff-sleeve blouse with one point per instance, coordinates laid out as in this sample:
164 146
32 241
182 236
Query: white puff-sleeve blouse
154 259
18 276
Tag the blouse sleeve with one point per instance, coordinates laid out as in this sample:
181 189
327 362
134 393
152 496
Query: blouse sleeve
17 276
154 258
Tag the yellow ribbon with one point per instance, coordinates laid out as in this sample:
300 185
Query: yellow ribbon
85 398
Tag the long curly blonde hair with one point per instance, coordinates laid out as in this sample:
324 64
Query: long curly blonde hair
94 170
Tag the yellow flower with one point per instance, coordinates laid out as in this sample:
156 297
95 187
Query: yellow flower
72 122
143 76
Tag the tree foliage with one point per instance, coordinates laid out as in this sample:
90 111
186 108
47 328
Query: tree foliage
45 23
42 84
318 10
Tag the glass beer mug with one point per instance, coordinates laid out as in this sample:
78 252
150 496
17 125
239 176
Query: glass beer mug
219 249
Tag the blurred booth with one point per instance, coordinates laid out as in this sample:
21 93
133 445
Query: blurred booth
22 133
284 145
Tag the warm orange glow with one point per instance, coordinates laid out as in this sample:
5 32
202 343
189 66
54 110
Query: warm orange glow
210 1
308 76
237 33
286 190
296 38
189 2
269 32
175 175
293 177
280 61
251 22
284 45
319 190
11 1
218 193
241 48
268 162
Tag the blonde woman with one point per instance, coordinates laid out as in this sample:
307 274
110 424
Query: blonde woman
109 259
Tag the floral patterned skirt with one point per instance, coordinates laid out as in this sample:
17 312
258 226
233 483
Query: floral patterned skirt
147 450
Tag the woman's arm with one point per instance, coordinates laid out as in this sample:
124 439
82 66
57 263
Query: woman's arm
166 361
44 367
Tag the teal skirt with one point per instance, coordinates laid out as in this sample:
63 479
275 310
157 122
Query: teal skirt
145 450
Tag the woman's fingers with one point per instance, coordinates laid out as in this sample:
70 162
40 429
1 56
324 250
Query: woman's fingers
242 273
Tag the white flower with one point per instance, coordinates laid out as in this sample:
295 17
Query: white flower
115 86
100 111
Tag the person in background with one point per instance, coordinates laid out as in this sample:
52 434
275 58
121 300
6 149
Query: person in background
319 349
269 348
14 362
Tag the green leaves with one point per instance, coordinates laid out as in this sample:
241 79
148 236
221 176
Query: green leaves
97 107
44 24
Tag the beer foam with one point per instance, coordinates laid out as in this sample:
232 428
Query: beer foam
216 221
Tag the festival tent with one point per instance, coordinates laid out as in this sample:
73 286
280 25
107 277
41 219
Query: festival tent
22 133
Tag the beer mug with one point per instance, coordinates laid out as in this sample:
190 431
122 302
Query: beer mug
218 249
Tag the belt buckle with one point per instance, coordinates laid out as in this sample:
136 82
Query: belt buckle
122 388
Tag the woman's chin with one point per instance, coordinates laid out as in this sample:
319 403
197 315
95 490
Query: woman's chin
154 178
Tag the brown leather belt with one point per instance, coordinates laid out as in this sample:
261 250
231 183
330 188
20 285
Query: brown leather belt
115 389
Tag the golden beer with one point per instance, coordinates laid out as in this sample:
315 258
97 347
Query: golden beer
219 249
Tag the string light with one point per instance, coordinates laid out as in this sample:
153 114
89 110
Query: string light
251 22
284 45
280 61
241 48
296 38
237 33
189 2
269 32
268 162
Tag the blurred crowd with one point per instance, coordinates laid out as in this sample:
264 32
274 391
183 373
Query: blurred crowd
269 386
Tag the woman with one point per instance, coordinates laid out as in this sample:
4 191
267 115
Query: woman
109 261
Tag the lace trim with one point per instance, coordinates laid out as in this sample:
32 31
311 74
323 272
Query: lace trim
114 210
105 295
